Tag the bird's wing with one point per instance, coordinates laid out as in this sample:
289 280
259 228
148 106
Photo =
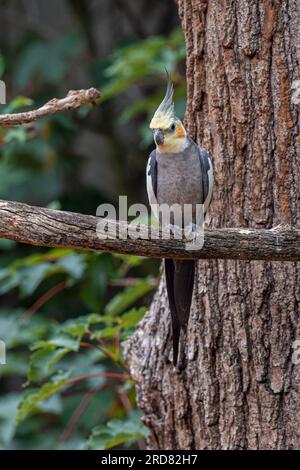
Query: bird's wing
151 177
207 177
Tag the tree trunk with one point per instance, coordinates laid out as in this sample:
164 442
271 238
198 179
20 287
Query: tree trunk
237 386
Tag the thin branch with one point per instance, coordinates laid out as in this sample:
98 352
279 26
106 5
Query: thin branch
84 344
104 348
73 100
102 343
84 403
44 299
131 282
50 228
111 375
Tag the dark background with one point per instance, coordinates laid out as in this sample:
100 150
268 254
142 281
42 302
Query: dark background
76 161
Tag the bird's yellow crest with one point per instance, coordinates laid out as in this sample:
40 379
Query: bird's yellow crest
164 116
169 133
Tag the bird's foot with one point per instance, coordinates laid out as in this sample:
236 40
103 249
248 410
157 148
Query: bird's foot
195 237
191 232
175 231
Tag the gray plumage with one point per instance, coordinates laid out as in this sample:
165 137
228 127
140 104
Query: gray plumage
178 173
184 178
179 178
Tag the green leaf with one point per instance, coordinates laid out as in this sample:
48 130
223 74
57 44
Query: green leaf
60 340
42 361
122 324
130 63
29 272
108 332
34 396
56 205
14 332
17 103
53 405
86 362
76 327
100 268
29 279
9 326
17 133
131 260
66 337
131 318
117 432
129 295
8 412
73 264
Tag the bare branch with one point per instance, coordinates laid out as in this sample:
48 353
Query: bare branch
73 100
45 227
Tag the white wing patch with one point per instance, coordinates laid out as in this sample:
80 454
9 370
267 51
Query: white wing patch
210 186
151 196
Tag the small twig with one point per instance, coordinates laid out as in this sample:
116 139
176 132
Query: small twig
73 100
127 282
125 402
112 375
101 341
128 408
87 398
117 341
104 348
131 282
44 299
89 345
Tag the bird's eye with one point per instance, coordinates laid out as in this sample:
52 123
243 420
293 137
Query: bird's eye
172 127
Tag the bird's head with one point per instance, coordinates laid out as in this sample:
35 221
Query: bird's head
169 133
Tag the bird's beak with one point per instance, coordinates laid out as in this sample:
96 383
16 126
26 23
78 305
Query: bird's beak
158 136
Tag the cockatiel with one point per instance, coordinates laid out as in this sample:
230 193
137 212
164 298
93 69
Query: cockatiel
178 172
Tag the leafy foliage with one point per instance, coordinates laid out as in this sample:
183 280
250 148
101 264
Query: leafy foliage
57 356
117 432
64 314
143 61
47 61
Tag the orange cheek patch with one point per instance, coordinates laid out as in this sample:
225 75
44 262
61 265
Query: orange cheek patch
180 131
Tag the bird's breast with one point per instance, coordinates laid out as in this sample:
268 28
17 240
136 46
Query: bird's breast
179 179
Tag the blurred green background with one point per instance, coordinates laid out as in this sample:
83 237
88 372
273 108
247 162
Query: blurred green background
64 314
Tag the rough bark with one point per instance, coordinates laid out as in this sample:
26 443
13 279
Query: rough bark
47 227
237 387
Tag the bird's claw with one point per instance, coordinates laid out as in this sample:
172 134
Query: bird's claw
175 231
191 232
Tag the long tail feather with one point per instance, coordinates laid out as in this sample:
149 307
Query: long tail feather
180 281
